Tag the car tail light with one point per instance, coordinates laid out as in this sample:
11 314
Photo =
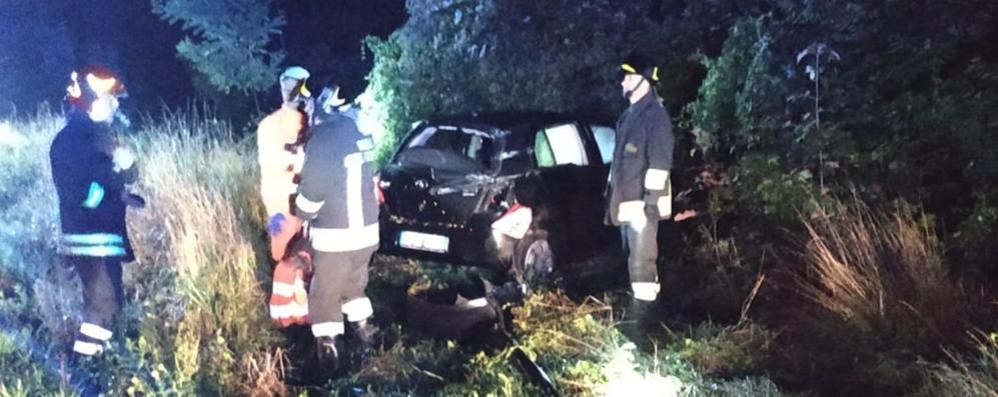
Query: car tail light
515 222
378 186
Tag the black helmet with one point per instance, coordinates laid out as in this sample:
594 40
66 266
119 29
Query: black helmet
89 82
638 63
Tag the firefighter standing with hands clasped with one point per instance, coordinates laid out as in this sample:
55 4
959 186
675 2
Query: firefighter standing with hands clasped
640 192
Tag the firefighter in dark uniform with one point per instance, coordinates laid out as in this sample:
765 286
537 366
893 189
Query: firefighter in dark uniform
337 197
90 172
639 189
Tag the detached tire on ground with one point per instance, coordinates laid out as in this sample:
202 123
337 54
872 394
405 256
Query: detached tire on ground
448 320
533 258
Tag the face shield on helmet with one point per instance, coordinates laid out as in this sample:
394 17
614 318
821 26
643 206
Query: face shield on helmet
293 87
328 103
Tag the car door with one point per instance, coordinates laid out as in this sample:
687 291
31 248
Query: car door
574 178
599 141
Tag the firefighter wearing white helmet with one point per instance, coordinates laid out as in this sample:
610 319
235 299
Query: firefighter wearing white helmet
91 171
280 140
640 192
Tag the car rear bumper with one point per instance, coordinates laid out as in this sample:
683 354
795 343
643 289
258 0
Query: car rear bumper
471 243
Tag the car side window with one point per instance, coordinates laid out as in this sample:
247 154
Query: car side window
542 151
605 140
559 145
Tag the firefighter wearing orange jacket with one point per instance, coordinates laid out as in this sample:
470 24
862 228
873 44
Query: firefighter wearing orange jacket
90 172
280 139
337 197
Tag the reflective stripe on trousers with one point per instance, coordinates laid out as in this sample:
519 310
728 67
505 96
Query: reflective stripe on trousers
92 244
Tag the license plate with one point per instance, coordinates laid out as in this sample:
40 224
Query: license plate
424 241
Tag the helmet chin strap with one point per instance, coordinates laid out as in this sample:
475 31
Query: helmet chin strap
630 93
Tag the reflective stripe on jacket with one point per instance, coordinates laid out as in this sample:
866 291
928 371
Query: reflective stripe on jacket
289 297
91 208
336 194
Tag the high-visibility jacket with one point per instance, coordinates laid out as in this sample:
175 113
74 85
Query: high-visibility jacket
280 157
289 296
90 187
336 194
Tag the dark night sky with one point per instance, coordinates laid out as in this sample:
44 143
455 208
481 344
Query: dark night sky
41 41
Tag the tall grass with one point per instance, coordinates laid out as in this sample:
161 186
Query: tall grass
198 304
203 213
881 272
196 321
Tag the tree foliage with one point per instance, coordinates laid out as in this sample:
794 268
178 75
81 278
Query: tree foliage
33 54
459 56
903 111
229 40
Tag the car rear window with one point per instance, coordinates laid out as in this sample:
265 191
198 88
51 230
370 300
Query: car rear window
449 148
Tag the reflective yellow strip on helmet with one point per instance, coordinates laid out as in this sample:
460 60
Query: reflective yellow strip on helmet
654 73
304 91
629 69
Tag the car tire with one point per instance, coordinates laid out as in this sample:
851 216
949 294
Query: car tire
533 258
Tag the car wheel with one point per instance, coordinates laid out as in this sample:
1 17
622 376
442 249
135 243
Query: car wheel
533 259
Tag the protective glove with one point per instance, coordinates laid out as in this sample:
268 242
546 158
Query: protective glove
123 159
633 213
275 223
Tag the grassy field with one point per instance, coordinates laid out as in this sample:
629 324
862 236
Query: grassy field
196 321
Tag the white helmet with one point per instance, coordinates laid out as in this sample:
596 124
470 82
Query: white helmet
295 72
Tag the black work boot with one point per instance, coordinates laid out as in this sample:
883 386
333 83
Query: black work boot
367 333
83 373
331 351
639 320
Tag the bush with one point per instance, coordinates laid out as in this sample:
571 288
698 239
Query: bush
966 376
882 273
877 299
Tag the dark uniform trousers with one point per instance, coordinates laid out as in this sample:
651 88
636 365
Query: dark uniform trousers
641 248
339 278
102 290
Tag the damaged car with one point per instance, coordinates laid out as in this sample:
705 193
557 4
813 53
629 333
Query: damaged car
520 192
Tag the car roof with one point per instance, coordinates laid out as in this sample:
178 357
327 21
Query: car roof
510 121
